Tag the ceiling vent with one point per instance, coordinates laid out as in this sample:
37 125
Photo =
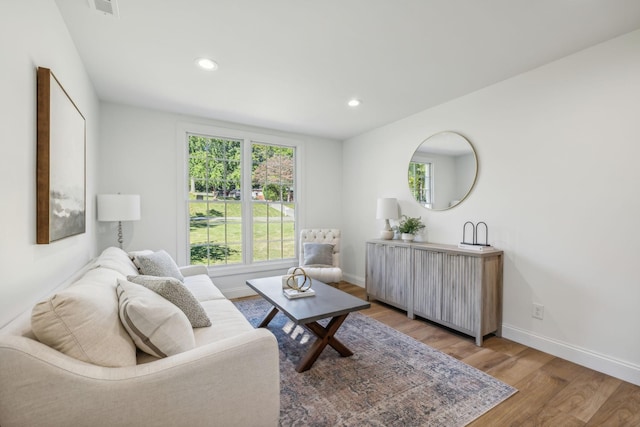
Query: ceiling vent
105 7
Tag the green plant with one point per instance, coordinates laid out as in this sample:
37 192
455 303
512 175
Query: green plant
410 225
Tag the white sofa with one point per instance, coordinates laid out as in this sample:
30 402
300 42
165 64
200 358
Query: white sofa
230 378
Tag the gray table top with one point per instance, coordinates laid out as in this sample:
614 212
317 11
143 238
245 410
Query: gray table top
327 302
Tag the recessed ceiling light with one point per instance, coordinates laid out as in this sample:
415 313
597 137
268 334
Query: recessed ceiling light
207 64
354 102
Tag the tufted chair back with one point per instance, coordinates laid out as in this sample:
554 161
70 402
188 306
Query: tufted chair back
327 274
321 235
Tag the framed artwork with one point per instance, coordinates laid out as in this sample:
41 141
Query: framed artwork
60 164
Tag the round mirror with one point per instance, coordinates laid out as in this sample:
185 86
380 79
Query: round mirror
442 171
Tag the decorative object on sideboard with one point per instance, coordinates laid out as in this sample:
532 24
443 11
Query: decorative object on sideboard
60 162
297 284
475 244
118 207
409 227
387 209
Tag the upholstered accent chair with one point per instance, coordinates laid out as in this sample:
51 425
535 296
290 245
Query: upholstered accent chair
320 254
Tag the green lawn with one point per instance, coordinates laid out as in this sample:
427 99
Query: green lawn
221 221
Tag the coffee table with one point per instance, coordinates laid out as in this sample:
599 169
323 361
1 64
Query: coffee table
328 302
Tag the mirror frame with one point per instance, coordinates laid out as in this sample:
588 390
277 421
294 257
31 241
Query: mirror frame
475 175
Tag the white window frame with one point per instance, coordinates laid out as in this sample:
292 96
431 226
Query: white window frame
182 217
430 162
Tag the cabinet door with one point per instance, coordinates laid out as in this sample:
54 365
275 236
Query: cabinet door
461 282
398 275
374 279
427 294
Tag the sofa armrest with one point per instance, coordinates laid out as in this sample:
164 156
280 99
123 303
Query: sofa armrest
192 270
230 382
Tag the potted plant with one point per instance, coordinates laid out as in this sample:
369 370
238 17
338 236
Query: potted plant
409 227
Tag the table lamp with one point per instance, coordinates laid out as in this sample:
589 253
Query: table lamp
118 207
387 209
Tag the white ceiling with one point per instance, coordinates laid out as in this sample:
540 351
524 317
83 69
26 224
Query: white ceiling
292 65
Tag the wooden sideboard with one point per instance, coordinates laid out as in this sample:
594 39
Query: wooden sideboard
457 288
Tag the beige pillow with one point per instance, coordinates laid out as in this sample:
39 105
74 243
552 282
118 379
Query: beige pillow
176 292
115 259
82 322
157 326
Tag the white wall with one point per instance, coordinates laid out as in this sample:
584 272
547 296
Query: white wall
465 167
138 155
33 34
558 151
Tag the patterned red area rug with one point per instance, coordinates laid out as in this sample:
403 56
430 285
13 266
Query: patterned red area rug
391 380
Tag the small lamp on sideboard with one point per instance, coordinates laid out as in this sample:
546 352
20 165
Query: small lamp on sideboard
118 207
387 209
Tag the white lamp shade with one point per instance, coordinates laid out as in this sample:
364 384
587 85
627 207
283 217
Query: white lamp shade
387 208
118 207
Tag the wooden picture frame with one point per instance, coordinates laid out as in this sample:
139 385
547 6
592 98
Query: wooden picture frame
60 163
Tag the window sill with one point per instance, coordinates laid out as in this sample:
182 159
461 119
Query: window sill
220 271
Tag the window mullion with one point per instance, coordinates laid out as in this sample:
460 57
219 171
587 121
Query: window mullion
247 202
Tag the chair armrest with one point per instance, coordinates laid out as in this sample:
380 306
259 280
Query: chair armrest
323 274
192 270
214 382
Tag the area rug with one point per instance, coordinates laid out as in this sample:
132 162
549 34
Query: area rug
391 380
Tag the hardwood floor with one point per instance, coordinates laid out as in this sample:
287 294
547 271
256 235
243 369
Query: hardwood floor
551 391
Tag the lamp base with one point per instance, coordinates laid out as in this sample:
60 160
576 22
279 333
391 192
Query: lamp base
386 234
120 234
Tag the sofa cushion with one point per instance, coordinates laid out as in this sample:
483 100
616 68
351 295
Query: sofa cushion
159 264
82 322
201 287
226 322
157 326
176 292
115 259
318 254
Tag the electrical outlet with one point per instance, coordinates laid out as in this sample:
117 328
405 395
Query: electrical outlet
538 311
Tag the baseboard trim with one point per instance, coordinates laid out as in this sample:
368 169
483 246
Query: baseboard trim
602 363
355 280
239 292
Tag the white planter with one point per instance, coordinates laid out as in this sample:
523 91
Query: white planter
406 237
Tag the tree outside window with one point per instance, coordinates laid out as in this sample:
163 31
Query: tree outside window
219 206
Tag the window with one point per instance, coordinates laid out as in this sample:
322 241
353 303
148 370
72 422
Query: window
241 201
272 196
420 182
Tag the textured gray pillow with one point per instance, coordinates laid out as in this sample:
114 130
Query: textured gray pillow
158 264
318 254
177 293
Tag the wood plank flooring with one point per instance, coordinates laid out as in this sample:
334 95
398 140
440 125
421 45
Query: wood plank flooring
551 391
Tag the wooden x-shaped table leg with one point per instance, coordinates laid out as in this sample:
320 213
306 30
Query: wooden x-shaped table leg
325 336
268 318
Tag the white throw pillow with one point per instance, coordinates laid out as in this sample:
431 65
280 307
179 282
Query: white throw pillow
157 326
115 259
82 322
